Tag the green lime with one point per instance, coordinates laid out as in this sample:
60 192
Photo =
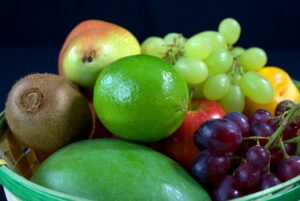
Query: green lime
141 98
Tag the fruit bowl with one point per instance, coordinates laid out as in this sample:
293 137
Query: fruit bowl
17 163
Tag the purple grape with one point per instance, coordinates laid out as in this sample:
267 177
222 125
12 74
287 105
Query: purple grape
261 129
290 131
218 136
247 176
258 157
209 167
294 126
226 189
242 150
274 122
283 106
268 180
259 115
241 120
277 153
289 168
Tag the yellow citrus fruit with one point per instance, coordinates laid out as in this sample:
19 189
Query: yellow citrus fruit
141 98
284 89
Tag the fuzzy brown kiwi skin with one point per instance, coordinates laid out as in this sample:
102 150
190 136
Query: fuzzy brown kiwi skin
45 112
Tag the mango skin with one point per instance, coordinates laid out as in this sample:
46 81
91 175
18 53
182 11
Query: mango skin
112 169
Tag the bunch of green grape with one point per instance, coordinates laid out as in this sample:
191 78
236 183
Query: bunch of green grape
213 67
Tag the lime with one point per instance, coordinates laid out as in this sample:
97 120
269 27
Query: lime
141 98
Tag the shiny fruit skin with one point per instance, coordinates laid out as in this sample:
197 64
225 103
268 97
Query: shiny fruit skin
226 189
210 168
111 169
268 180
180 146
241 120
83 26
247 176
289 168
220 136
258 157
141 98
283 86
89 51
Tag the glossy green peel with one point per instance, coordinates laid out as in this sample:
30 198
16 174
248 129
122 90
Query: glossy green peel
110 169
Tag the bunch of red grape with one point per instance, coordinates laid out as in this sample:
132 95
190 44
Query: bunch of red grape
242 155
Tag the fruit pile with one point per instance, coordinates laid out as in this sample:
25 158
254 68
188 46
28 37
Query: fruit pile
242 155
187 118
213 67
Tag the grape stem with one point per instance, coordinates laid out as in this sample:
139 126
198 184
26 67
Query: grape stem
283 124
285 155
256 138
293 140
236 71
297 141
174 51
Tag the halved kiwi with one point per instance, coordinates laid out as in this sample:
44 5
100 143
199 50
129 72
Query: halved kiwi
46 112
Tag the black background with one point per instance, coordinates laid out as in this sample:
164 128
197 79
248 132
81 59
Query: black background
32 32
268 24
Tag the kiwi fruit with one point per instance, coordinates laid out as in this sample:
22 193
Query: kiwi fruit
46 111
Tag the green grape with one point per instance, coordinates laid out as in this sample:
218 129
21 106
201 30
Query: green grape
253 59
196 91
154 46
216 86
219 61
237 51
230 29
256 87
174 38
216 39
234 100
197 47
193 71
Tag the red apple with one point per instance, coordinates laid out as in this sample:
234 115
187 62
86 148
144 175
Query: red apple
180 146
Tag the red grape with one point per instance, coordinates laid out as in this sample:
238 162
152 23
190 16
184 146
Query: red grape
283 106
209 167
247 176
259 115
258 157
226 189
241 120
261 129
268 180
218 136
277 153
289 168
274 122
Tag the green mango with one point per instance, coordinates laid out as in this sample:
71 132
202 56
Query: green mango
111 170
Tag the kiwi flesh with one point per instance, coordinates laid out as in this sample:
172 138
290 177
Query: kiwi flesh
46 111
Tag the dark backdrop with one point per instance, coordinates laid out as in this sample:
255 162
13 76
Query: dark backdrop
32 32
269 24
